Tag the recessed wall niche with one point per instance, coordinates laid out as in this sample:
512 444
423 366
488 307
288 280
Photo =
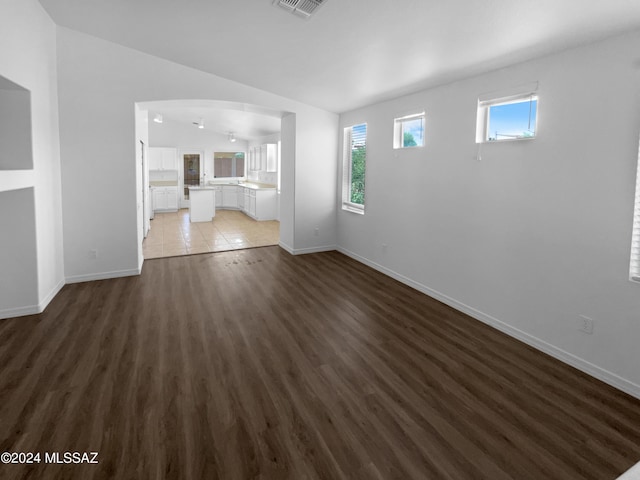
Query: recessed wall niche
15 127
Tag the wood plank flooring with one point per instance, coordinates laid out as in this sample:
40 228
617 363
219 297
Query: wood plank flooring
255 364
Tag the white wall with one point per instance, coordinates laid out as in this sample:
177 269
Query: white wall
28 58
99 82
537 232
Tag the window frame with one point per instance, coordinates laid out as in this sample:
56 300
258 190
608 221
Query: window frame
484 118
234 168
347 169
634 258
398 130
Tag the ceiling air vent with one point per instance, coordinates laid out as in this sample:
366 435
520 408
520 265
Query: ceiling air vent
302 8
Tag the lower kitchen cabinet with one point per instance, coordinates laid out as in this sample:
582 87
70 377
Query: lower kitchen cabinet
165 199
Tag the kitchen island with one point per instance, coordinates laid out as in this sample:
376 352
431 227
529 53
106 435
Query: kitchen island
202 203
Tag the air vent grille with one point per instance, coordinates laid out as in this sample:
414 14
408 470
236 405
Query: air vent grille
302 8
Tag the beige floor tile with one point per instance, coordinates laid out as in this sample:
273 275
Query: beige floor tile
153 251
198 249
173 234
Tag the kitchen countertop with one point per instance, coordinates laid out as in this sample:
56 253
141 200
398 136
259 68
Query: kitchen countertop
163 183
252 185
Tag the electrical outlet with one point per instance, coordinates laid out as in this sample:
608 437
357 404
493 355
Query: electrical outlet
316 232
93 254
384 247
585 324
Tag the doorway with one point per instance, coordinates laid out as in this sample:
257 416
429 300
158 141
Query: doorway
191 174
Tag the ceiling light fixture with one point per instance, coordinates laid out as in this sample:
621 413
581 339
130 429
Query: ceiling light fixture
301 8
232 137
157 118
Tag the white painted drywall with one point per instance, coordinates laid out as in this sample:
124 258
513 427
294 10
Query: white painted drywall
537 232
99 82
15 129
19 272
28 58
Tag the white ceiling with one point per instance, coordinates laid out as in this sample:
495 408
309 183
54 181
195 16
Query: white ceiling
246 123
351 52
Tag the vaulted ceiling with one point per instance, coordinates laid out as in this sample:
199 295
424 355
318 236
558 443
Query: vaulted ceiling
351 52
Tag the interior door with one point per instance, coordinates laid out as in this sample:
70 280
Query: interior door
191 174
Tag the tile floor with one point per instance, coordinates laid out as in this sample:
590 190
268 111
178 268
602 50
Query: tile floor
173 234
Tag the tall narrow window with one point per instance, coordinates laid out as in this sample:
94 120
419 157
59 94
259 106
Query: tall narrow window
634 266
354 164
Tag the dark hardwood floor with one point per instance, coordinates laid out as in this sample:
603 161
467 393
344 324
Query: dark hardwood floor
256 364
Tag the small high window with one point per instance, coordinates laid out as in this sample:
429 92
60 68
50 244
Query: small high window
408 131
512 118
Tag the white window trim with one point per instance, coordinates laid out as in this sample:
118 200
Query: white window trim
634 262
398 131
482 133
502 97
347 205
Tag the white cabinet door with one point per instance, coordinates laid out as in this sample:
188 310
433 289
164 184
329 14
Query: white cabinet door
155 158
247 195
252 206
272 157
163 158
241 198
266 204
169 159
218 193
230 196
172 198
159 199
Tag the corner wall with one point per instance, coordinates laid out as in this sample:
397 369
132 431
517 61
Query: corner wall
28 58
534 234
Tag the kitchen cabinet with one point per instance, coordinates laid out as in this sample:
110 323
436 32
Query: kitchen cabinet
241 198
201 204
260 204
218 194
230 196
165 199
163 158
270 157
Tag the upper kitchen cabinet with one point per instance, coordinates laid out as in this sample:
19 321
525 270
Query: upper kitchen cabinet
163 158
270 157
264 157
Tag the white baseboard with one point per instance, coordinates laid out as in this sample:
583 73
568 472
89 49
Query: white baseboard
562 355
103 276
304 251
20 311
32 309
286 247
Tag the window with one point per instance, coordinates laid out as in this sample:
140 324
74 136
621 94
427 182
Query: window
409 131
634 266
354 163
228 164
512 118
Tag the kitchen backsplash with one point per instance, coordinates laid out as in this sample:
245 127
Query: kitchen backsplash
264 177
